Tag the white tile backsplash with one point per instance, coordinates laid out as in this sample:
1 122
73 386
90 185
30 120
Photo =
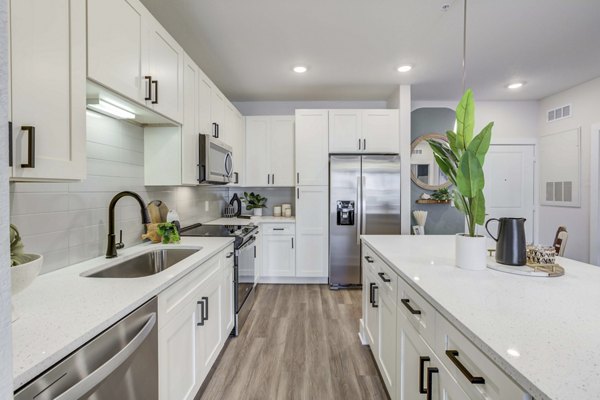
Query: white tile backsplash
67 222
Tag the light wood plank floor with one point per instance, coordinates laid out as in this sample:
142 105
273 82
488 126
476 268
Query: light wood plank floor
299 342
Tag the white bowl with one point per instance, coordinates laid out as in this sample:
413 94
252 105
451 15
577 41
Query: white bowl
23 275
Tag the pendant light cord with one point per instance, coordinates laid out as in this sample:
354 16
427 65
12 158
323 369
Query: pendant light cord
464 58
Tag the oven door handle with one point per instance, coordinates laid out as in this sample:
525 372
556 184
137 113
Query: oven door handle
96 377
248 243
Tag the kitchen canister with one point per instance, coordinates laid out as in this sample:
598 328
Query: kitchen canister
277 211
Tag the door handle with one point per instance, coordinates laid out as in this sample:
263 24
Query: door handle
10 144
364 144
298 178
374 304
413 311
359 144
93 379
369 259
422 361
453 356
298 193
205 317
229 255
201 304
383 277
268 179
359 197
292 243
218 130
272 179
371 285
30 146
148 79
430 372
155 101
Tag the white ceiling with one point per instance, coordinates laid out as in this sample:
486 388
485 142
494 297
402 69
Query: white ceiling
353 47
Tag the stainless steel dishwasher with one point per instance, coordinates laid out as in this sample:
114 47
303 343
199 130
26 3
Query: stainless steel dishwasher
120 363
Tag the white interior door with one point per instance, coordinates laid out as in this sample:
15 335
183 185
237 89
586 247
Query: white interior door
509 185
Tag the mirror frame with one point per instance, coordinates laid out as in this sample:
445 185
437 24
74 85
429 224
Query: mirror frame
412 174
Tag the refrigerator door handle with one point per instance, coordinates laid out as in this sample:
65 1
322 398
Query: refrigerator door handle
359 210
363 205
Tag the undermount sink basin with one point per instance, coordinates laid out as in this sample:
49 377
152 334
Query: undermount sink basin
146 264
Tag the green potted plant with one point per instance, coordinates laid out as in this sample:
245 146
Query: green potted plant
441 195
25 267
462 159
254 202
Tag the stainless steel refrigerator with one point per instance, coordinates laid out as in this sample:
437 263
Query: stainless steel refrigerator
364 198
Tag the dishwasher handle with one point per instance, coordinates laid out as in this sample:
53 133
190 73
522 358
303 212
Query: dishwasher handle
96 377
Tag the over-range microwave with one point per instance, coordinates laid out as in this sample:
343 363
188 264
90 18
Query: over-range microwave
216 161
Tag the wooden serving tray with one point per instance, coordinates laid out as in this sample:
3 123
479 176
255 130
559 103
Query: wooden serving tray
539 270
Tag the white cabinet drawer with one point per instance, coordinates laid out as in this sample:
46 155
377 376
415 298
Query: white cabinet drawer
369 261
418 311
387 279
227 258
278 229
469 365
175 297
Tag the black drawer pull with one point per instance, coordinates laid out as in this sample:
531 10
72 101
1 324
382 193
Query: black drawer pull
30 147
229 255
371 292
369 259
407 305
205 317
278 229
430 372
383 278
375 287
475 380
155 101
422 361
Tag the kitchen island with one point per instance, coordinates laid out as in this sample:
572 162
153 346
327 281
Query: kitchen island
543 333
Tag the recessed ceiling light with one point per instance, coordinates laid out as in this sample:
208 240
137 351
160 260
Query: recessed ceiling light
300 69
515 85
404 68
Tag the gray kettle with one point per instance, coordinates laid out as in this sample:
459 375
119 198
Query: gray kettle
510 243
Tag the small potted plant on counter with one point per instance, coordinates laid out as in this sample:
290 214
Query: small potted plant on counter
461 159
254 202
25 267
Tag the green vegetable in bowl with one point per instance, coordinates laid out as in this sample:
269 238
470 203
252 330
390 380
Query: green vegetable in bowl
168 232
17 256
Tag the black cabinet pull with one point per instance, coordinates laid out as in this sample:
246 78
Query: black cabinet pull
298 178
422 361
218 133
298 193
214 132
364 144
155 101
268 179
383 278
292 243
237 177
278 229
205 299
229 255
374 304
201 304
475 380
369 259
148 79
10 144
272 179
430 372
371 285
30 146
359 144
407 305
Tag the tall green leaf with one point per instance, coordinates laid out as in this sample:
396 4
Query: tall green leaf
444 158
478 208
459 202
465 120
481 143
452 141
469 176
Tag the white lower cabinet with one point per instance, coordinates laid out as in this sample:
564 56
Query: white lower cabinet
195 318
312 231
279 259
420 354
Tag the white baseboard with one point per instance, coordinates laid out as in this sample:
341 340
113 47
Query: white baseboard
361 333
294 280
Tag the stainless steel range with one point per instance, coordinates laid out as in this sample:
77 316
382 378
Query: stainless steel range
244 274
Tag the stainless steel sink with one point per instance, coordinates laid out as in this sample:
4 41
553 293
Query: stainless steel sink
146 264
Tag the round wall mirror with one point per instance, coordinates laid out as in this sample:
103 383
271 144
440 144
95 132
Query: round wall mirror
424 171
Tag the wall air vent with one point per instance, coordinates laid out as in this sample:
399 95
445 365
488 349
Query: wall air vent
559 113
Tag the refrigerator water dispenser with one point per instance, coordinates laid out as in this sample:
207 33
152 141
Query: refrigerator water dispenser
345 212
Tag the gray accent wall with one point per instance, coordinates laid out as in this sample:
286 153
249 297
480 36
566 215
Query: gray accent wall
5 300
442 219
276 196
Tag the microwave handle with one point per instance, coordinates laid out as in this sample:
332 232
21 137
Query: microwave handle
228 165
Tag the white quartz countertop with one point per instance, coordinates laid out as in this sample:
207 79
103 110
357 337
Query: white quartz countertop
62 310
254 220
552 323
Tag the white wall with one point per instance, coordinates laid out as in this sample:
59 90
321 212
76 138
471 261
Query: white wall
585 102
67 222
5 313
249 108
512 119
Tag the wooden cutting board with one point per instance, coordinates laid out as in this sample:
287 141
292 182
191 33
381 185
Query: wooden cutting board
158 211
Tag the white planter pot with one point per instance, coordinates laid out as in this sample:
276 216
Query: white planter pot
23 275
471 252
257 212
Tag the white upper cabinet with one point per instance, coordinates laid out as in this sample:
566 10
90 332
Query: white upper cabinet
115 30
312 147
345 131
364 131
217 113
130 53
234 126
165 67
270 151
381 131
189 129
204 99
47 44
